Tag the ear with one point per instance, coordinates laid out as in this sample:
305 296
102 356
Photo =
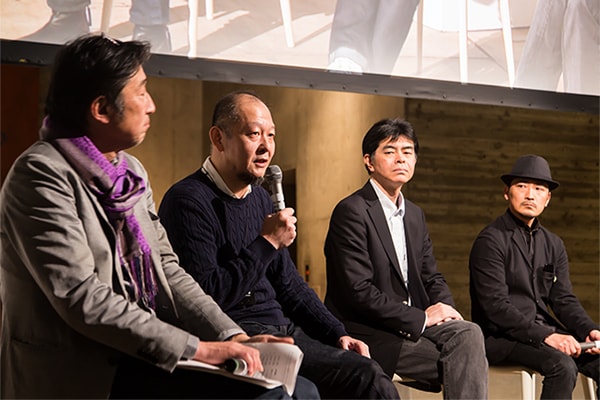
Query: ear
367 161
548 199
505 192
216 137
99 109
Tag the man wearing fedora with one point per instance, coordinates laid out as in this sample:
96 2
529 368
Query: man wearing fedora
521 294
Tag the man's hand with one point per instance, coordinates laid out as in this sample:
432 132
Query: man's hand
592 337
280 228
564 343
439 313
355 345
216 353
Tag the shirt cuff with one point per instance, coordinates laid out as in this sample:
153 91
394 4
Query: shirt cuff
190 348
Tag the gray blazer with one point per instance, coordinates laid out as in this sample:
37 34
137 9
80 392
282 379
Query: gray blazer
65 319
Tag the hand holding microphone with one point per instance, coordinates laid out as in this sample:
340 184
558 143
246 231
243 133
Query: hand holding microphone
279 228
590 345
230 355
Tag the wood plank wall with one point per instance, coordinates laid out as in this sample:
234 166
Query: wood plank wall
465 149
19 112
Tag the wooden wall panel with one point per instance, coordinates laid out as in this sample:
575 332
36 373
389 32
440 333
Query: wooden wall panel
173 147
20 122
465 149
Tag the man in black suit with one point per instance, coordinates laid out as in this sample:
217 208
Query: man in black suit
520 278
382 278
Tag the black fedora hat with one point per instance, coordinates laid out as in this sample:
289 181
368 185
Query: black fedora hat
532 167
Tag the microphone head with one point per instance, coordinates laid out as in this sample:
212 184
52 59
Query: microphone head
274 179
273 174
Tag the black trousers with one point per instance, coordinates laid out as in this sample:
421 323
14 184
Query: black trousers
136 379
559 370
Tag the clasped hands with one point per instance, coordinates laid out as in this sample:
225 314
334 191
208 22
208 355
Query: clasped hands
439 313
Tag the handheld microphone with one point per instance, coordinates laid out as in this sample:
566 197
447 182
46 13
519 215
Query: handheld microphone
273 178
590 345
236 366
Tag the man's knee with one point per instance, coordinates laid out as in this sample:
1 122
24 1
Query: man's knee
305 389
470 334
367 367
469 343
565 368
380 385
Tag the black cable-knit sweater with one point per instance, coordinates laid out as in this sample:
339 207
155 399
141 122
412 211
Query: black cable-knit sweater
218 241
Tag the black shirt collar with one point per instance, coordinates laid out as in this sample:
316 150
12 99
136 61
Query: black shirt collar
534 227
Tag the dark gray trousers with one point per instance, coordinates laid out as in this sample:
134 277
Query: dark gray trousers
451 354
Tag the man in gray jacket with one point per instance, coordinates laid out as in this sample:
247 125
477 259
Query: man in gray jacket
94 301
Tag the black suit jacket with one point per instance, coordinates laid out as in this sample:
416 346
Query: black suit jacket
508 290
365 289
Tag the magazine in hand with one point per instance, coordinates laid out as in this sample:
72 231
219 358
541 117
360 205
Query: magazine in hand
281 362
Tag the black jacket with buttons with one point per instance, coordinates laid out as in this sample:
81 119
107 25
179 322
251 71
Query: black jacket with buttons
518 299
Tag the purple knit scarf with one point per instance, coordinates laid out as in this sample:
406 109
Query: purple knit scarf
118 189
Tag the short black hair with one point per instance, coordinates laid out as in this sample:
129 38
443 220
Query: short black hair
88 67
388 129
